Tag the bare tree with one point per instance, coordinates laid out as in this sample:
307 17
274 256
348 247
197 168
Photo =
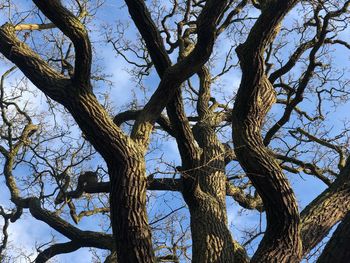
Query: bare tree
246 145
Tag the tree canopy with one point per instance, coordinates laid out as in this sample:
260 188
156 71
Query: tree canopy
136 128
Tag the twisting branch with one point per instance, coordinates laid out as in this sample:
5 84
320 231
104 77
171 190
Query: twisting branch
178 73
55 250
331 206
84 238
173 103
338 149
254 99
150 34
317 43
6 217
163 121
75 30
36 69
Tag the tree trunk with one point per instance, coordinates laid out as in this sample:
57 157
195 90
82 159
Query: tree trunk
326 210
255 96
211 237
127 173
128 211
281 241
212 241
337 249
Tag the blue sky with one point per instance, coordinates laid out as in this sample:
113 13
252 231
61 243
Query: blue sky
27 231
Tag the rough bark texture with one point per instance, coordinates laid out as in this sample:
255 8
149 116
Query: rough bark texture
212 240
254 98
117 149
331 206
206 194
128 179
203 182
128 199
172 76
337 248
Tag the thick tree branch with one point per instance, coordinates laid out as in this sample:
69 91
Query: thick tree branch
163 121
162 62
150 34
37 70
175 75
118 150
164 184
169 184
254 99
75 30
61 89
337 248
55 250
320 37
331 206
83 238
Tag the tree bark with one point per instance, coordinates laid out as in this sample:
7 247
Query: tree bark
281 242
118 150
127 173
212 240
326 210
337 248
128 210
